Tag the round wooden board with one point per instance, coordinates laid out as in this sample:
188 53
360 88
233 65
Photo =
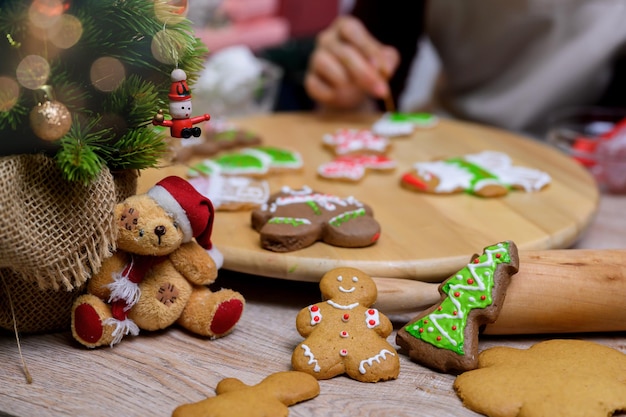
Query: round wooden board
424 237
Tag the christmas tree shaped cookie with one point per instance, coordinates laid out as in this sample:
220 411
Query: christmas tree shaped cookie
445 337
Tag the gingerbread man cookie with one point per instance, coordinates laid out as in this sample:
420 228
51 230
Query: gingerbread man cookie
445 337
552 378
350 141
354 167
270 397
486 174
344 334
295 219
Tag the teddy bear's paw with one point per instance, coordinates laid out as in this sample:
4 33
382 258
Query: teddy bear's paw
212 314
89 314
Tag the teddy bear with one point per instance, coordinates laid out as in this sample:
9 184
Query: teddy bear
159 273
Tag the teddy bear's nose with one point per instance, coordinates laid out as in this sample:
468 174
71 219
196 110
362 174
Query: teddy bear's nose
159 230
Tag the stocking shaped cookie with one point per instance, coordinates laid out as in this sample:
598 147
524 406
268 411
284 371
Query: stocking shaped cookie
344 334
295 219
270 397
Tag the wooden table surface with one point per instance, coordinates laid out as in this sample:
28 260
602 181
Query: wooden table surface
153 373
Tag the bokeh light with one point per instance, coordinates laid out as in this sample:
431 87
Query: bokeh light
33 72
170 12
167 47
45 13
66 32
107 73
9 93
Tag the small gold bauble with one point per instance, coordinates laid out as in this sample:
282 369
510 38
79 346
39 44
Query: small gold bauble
50 120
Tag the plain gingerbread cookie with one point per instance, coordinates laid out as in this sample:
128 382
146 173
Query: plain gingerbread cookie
569 378
344 334
270 397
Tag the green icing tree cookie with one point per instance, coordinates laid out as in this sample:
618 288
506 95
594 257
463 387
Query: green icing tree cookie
446 336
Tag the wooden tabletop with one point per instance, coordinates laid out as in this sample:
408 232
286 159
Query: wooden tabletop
155 372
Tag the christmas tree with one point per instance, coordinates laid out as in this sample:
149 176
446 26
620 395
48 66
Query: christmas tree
82 79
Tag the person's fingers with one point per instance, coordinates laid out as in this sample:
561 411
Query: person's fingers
352 31
327 82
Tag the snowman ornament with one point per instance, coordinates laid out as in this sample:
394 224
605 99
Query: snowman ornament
181 124
344 334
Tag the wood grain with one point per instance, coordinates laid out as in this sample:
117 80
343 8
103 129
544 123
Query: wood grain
424 237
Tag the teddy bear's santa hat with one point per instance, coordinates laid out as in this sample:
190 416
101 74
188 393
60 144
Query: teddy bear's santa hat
193 211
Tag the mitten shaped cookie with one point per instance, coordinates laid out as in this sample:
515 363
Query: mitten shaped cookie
445 337
270 397
344 334
295 219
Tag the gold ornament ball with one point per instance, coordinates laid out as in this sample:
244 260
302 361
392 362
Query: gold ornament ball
50 120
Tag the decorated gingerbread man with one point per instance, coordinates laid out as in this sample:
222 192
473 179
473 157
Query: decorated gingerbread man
344 334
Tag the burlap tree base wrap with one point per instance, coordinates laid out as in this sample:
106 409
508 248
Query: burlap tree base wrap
53 235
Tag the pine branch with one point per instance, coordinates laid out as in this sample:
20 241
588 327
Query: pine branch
78 157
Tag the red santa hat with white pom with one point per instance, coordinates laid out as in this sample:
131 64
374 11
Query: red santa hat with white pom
179 90
193 211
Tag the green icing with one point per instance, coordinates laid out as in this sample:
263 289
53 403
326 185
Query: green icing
416 118
316 209
240 160
478 173
293 221
280 156
445 326
344 217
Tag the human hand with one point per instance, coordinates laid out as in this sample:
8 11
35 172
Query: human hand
348 65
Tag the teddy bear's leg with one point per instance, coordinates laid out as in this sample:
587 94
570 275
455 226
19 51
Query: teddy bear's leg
212 314
164 295
93 323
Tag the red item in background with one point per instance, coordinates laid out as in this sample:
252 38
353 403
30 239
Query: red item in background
307 18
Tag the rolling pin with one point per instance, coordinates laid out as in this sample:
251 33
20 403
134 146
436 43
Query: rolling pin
555 291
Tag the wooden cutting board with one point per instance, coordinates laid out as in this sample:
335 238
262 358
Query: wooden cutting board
424 237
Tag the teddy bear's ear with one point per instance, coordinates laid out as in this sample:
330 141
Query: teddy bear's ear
192 211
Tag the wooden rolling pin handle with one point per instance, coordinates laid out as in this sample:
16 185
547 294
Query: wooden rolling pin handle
555 291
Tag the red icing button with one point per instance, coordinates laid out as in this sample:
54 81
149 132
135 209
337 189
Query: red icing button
372 322
314 308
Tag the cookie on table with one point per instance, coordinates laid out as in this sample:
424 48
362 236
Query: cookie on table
354 167
344 334
218 136
403 124
551 378
281 159
445 337
270 397
351 141
232 193
485 174
257 162
294 219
